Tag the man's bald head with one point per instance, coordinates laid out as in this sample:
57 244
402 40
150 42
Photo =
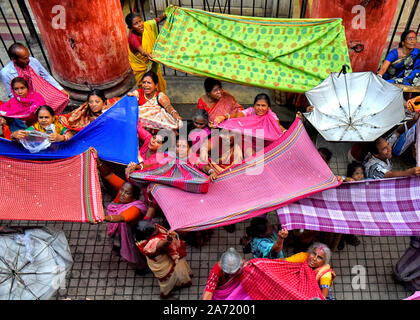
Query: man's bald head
19 54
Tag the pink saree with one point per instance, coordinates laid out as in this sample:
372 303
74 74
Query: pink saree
52 96
22 108
226 104
265 127
122 232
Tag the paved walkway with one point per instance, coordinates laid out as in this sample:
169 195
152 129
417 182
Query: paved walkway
99 274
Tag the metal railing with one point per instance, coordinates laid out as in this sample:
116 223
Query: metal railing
16 25
409 22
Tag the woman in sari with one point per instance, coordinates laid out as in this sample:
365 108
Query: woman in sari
165 254
216 101
260 110
95 105
258 121
223 273
317 257
402 65
122 214
141 39
22 106
155 109
47 123
264 242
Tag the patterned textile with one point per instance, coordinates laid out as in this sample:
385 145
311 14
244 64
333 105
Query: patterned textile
226 104
152 115
114 139
287 170
417 143
293 55
231 290
83 115
267 279
52 96
405 70
265 127
60 190
388 207
176 173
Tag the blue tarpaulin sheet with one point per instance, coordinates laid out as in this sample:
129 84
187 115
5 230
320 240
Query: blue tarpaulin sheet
113 135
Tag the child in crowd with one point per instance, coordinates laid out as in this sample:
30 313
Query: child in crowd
354 172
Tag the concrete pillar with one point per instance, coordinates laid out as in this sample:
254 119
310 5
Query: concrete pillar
367 27
87 45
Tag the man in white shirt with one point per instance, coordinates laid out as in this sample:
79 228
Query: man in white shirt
19 56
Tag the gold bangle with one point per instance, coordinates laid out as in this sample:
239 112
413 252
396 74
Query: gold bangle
111 218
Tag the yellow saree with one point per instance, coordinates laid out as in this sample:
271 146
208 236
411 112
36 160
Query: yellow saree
139 63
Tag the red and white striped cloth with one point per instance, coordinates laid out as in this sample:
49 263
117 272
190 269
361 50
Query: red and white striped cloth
60 190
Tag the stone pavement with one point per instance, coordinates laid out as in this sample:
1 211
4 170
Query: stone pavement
98 274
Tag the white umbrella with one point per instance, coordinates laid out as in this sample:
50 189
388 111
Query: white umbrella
357 106
33 264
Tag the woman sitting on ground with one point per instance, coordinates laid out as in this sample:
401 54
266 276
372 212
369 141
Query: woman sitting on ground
402 65
155 109
165 254
123 213
47 123
216 101
23 104
259 122
141 39
264 241
318 257
262 107
95 105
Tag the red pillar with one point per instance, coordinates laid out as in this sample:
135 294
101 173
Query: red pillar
87 44
378 20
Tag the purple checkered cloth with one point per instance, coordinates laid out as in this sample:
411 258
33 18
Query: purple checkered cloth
386 207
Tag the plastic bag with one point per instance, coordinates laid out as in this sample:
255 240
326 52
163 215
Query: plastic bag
35 141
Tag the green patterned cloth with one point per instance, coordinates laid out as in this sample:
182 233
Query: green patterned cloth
291 55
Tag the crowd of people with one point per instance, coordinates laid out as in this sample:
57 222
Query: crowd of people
219 119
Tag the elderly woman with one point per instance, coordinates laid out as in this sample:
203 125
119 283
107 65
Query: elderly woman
223 274
402 65
165 254
95 105
47 123
141 39
155 109
123 213
318 257
216 101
